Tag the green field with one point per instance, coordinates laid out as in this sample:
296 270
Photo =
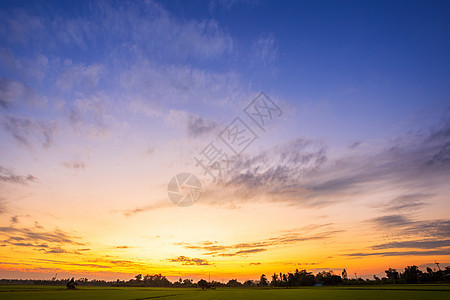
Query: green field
370 292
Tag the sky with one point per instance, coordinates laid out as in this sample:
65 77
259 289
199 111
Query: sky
315 135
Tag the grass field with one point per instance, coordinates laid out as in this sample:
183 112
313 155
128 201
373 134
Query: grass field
373 292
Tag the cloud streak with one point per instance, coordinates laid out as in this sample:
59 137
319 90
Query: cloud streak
190 261
244 249
27 130
301 172
7 175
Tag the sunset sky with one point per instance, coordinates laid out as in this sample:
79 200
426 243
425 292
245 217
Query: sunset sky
102 103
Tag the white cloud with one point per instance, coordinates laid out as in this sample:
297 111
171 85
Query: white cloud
13 92
80 76
146 26
150 86
265 50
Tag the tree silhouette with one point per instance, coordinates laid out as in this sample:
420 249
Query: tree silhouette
71 284
203 284
234 283
263 281
411 274
392 274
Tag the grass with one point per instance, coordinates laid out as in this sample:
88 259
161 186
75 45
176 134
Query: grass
384 292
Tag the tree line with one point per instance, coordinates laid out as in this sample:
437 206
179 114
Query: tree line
411 275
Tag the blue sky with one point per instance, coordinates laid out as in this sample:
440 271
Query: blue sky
102 102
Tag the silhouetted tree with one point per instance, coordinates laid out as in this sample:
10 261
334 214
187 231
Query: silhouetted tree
328 278
392 274
234 283
274 281
203 284
344 274
263 281
249 283
411 274
71 284
187 282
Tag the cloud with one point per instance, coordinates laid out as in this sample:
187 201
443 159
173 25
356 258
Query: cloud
409 161
404 226
75 165
26 130
301 172
308 264
12 91
243 249
89 116
14 219
407 202
39 236
7 175
228 4
150 86
79 76
277 173
150 150
194 125
190 261
243 252
198 126
354 145
419 244
56 250
32 68
142 209
391 221
264 50
145 24
429 235
401 253
68 263
11 241
2 205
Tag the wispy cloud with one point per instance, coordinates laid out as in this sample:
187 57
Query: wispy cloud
8 175
148 26
190 261
401 253
404 226
407 202
198 126
301 171
391 221
265 50
145 208
27 130
79 76
419 244
14 219
12 91
38 236
75 165
243 249
416 236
